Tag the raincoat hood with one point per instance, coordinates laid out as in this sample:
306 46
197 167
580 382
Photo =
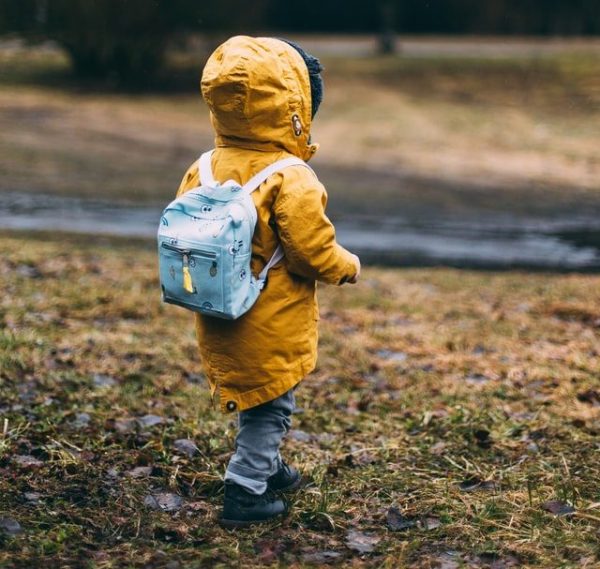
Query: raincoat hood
258 93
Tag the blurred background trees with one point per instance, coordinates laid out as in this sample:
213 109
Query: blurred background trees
125 40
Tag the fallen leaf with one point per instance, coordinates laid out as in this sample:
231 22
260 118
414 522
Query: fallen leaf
81 420
477 378
475 483
359 457
558 508
28 271
396 521
32 497
299 436
165 501
268 550
429 523
448 560
438 448
506 562
100 380
148 421
321 557
186 446
139 472
392 356
198 506
125 426
361 542
494 561
195 378
27 461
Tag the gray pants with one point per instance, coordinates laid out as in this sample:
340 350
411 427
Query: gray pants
257 443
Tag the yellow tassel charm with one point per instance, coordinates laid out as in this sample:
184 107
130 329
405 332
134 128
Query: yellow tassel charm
187 277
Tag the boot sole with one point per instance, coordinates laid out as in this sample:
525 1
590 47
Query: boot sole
239 524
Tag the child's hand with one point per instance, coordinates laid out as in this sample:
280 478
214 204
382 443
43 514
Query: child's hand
355 278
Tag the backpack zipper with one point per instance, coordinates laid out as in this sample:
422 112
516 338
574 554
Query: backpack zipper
188 252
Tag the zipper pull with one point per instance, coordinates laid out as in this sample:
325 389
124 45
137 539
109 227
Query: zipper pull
187 277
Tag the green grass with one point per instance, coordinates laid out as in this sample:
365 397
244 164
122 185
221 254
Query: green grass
426 379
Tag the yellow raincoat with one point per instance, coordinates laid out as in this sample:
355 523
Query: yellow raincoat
258 92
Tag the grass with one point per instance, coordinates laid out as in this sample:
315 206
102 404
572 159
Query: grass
445 132
460 406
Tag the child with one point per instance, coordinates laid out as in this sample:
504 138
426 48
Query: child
263 94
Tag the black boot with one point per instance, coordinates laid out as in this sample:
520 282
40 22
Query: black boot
286 479
242 508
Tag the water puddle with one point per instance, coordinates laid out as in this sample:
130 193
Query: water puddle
557 244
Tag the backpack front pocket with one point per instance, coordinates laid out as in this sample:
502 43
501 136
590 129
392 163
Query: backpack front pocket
192 277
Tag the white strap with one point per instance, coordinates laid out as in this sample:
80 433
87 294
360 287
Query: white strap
277 256
256 180
251 185
205 169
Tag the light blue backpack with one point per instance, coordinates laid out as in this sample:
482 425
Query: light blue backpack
205 244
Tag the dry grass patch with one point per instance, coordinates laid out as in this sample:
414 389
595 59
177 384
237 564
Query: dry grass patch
453 421
508 126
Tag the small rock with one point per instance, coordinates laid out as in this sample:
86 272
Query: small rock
186 446
165 501
112 473
101 380
148 421
10 526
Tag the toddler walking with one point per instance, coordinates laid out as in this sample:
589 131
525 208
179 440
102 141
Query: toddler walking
263 94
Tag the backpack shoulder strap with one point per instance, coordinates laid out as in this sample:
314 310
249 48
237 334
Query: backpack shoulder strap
205 169
256 180
207 179
251 185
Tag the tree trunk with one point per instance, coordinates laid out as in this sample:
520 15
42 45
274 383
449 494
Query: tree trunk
387 34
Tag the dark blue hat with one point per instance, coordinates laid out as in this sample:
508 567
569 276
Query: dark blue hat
314 73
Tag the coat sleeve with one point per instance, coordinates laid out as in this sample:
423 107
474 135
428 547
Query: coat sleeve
306 233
